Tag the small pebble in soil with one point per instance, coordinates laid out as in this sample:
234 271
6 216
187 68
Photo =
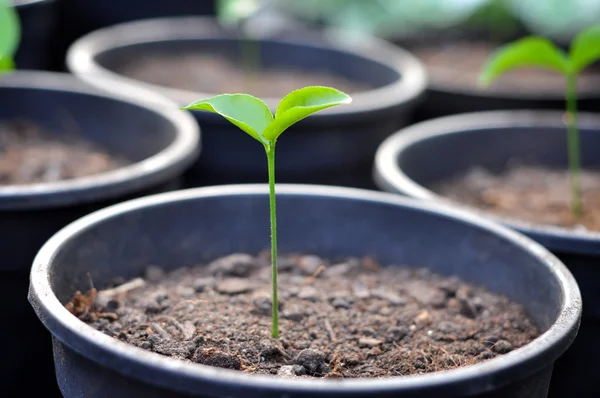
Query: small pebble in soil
359 320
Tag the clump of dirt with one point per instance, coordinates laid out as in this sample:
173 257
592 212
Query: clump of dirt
350 318
529 193
31 154
209 73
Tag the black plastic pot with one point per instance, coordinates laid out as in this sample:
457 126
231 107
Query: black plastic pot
412 159
162 142
38 33
79 17
191 226
334 147
446 96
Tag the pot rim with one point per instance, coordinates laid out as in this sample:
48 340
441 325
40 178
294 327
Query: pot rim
166 164
534 355
389 177
408 88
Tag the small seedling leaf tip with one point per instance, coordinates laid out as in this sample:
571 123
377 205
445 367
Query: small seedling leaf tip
530 51
248 113
585 48
302 103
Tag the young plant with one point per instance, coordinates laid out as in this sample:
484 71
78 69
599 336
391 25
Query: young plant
536 51
254 117
10 35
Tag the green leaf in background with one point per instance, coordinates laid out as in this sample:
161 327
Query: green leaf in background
527 52
232 12
585 48
302 103
10 34
245 111
560 20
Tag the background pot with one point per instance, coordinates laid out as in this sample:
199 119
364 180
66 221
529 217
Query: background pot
412 159
38 33
333 147
162 141
189 227
445 95
78 17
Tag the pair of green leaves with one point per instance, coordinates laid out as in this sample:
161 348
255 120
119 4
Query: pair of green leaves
535 51
254 117
10 35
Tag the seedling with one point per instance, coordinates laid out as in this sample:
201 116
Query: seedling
254 117
10 35
537 51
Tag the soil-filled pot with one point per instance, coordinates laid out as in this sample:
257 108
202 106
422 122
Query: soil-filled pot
189 59
454 62
79 17
193 226
418 160
155 143
38 33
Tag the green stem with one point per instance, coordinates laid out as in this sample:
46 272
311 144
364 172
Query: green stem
573 145
275 302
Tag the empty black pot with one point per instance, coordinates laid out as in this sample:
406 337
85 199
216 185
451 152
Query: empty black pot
160 140
333 147
38 33
414 158
192 226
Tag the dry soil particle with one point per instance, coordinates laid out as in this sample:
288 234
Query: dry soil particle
30 154
212 74
350 318
527 193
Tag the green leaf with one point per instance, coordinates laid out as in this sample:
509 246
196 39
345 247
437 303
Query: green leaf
530 51
10 31
585 48
245 111
6 63
302 103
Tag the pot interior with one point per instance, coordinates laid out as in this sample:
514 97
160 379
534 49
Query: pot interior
273 55
434 159
122 128
191 230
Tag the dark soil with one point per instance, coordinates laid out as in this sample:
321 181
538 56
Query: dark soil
208 73
459 64
30 154
350 318
528 193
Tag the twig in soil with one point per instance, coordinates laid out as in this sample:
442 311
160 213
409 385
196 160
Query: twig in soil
186 333
186 302
332 335
121 289
315 275
158 329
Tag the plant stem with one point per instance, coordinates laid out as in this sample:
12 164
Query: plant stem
275 302
573 145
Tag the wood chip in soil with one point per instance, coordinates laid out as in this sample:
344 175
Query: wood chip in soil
214 74
459 64
527 193
349 318
31 154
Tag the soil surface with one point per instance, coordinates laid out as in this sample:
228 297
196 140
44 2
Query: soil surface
212 74
527 193
459 64
348 318
30 154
